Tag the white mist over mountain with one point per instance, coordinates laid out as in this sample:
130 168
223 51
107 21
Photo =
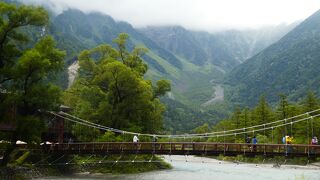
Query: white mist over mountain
209 15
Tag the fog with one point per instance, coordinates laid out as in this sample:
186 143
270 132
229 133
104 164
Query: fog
206 15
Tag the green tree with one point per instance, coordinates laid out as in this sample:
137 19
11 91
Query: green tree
202 129
163 86
245 119
236 117
12 19
30 91
283 112
110 89
24 72
283 107
311 102
262 112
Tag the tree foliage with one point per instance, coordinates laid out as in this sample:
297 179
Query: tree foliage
263 113
110 89
24 71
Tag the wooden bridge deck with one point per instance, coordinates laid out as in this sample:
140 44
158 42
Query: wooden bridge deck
184 148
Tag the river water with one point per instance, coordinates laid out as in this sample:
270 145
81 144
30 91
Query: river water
198 168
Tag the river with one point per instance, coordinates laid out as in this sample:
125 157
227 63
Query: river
199 168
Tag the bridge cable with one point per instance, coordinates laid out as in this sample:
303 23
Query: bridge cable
56 160
272 136
41 160
203 135
127 132
308 134
257 130
249 131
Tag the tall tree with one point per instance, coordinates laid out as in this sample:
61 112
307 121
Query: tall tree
24 74
236 117
12 19
283 111
283 107
311 102
110 89
263 112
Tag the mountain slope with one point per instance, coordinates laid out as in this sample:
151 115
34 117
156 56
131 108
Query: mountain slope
75 31
225 49
198 48
290 66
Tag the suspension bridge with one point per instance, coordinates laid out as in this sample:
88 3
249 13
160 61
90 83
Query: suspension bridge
178 144
192 148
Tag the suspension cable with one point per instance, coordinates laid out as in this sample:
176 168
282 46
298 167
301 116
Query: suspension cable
199 134
93 125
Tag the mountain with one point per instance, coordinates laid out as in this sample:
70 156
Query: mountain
289 66
199 48
191 60
225 49
194 62
75 31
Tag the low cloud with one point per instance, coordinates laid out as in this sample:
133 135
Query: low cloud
194 14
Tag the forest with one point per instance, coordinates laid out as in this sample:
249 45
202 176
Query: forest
264 113
112 89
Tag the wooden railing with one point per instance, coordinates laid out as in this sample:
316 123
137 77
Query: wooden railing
183 148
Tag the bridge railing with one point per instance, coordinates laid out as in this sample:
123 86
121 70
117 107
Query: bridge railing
196 148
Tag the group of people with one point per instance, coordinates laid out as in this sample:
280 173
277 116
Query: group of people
136 139
252 140
287 139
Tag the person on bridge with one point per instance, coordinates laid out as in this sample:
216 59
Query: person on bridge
154 142
135 139
254 142
284 141
248 141
154 139
314 140
289 140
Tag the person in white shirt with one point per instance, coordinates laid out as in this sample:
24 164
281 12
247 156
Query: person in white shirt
135 139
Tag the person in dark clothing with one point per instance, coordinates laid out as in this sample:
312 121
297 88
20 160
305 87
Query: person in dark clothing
254 142
248 141
154 142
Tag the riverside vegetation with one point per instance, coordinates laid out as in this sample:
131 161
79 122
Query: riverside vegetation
110 88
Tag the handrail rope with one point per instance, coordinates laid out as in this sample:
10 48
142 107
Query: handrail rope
189 135
272 126
98 125
207 135
183 135
250 127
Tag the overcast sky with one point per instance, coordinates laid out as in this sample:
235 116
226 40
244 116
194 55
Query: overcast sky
196 14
